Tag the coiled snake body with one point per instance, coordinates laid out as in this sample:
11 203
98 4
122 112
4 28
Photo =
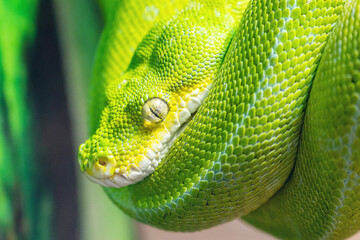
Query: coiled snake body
222 109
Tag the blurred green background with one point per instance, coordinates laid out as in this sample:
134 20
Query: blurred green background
46 55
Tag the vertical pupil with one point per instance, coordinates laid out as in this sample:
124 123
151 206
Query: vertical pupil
154 112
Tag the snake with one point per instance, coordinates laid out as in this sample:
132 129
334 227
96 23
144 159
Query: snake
202 112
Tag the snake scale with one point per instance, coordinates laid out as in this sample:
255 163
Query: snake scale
206 111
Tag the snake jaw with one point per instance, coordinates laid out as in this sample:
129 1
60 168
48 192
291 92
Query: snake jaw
106 172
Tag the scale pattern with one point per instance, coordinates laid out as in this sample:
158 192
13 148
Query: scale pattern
322 198
119 41
240 147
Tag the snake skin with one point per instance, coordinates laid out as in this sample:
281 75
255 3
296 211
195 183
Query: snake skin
322 198
241 146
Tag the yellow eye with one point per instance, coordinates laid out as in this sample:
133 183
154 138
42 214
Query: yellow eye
155 110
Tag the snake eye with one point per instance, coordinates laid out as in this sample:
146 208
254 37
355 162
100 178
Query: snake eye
155 110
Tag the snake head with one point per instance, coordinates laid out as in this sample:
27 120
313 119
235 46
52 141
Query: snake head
150 104
135 135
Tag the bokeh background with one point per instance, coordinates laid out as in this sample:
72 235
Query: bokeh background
45 196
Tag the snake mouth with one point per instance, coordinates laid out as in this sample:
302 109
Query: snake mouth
107 172
166 147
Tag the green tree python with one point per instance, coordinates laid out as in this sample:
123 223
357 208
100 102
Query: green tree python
206 111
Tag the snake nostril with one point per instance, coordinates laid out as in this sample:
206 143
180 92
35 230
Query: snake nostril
102 161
